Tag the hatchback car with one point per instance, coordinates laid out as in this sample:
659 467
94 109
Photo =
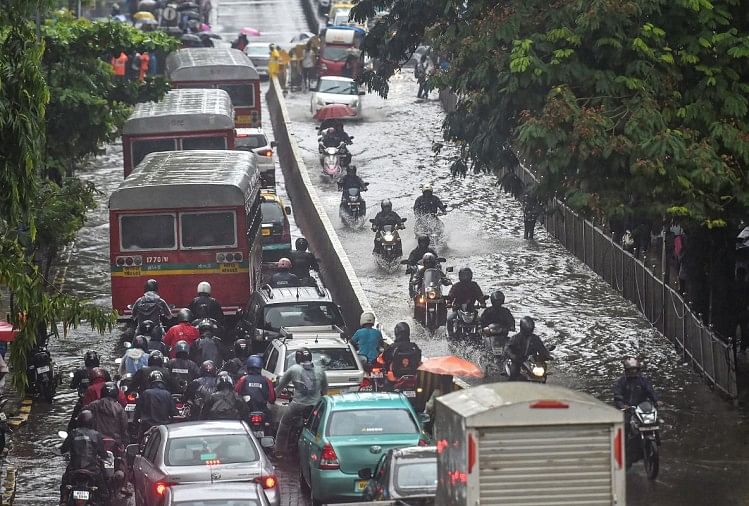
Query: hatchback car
255 140
275 231
350 432
216 494
199 452
336 90
259 53
404 473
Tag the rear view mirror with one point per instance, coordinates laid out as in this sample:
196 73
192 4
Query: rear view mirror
440 259
266 442
287 209
403 220
449 269
62 435
371 221
365 473
127 344
273 144
404 262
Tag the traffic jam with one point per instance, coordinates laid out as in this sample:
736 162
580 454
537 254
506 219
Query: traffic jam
238 368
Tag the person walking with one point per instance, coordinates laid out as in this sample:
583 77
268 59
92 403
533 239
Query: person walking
308 64
119 65
143 63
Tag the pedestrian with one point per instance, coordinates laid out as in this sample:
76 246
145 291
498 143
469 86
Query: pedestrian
273 61
119 64
427 69
308 64
143 65
531 210
628 242
205 10
153 64
741 299
283 67
240 42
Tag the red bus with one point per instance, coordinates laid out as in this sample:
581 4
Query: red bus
228 69
183 217
182 120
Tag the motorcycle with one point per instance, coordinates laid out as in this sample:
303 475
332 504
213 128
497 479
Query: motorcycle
415 272
183 408
406 385
430 225
42 374
467 325
389 247
131 396
82 488
353 208
644 438
332 161
533 369
430 306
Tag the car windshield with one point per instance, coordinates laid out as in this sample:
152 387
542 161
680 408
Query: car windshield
251 141
258 51
301 314
219 502
200 450
337 359
338 87
416 476
272 212
371 421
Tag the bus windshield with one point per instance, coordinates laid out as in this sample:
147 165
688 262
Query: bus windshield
208 230
335 53
147 232
242 95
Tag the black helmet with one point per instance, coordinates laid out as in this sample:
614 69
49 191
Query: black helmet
184 315
303 355
423 241
429 260
145 327
206 325
155 359
254 362
386 205
631 366
402 332
497 298
181 349
151 286
301 244
140 342
527 325
465 274
241 349
156 377
110 390
85 419
351 169
91 359
208 368
224 381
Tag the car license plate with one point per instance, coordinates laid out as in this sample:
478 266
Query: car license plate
131 272
259 433
130 407
81 495
265 232
410 393
42 369
109 464
360 485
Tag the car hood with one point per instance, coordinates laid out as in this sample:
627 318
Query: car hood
337 98
244 471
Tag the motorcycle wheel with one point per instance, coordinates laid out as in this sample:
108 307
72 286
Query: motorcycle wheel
650 457
48 391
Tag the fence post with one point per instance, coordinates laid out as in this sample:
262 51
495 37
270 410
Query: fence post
702 355
712 355
585 250
683 330
593 244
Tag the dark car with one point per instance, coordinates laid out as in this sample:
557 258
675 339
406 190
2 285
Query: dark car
404 473
275 234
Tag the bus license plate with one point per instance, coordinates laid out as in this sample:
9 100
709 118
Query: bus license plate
360 485
228 268
81 495
243 120
131 272
265 232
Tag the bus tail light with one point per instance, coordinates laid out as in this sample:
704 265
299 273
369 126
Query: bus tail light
229 257
129 260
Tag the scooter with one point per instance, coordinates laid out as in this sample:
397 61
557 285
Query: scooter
42 374
331 160
430 225
389 248
353 208
430 305
644 439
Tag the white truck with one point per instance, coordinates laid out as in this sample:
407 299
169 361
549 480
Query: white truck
528 444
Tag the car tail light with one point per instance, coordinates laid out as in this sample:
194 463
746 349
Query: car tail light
160 488
365 383
328 458
265 152
423 442
286 394
267 481
618 450
132 397
256 419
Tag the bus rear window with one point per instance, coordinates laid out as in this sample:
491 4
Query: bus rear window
189 143
242 95
147 232
208 230
141 148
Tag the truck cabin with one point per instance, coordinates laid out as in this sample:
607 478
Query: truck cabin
340 44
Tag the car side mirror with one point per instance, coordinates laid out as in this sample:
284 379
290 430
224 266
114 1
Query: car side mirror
424 418
127 344
449 269
404 262
130 452
441 260
273 144
118 360
403 220
266 442
365 473
287 209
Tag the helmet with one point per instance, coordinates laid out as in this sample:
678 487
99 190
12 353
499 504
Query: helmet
465 274
155 359
204 287
156 377
271 47
110 390
140 342
301 244
116 8
386 205
351 169
497 298
254 362
97 373
402 332
184 315
207 325
631 366
85 419
151 286
527 325
426 188
429 260
181 348
367 319
423 241
330 131
284 263
91 359
303 355
145 327
241 348
208 368
224 381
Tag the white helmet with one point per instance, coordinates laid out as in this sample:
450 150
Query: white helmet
426 187
204 287
367 319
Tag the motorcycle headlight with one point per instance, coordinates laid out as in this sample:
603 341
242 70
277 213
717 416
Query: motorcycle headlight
432 293
538 371
468 317
388 237
648 417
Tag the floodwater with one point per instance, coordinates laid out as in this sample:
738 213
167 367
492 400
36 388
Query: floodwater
705 452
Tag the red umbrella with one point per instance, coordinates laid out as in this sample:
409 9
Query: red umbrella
252 32
334 111
452 366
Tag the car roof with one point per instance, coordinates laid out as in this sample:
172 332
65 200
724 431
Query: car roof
336 78
296 294
367 400
221 490
295 344
201 428
415 452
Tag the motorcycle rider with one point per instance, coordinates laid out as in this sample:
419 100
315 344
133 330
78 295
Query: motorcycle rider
421 249
182 331
351 180
465 291
428 261
631 389
302 261
499 315
156 344
310 383
90 360
94 391
110 420
182 369
284 278
208 346
523 345
224 403
402 357
151 307
201 388
256 386
135 357
86 447
235 366
428 203
385 217
367 340
141 379
205 306
155 406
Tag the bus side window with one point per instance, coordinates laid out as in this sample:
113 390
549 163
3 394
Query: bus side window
254 220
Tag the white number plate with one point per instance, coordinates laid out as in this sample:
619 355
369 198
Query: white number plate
3 418
109 464
82 495
409 393
130 407
42 369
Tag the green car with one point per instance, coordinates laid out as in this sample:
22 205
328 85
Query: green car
350 432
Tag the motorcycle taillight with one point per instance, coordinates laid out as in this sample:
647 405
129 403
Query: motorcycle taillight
256 419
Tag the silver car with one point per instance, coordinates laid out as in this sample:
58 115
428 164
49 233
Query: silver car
215 494
255 140
259 53
199 452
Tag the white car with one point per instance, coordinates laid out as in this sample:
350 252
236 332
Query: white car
336 90
255 140
259 53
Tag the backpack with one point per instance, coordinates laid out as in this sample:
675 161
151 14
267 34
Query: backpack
148 310
406 358
223 407
206 349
